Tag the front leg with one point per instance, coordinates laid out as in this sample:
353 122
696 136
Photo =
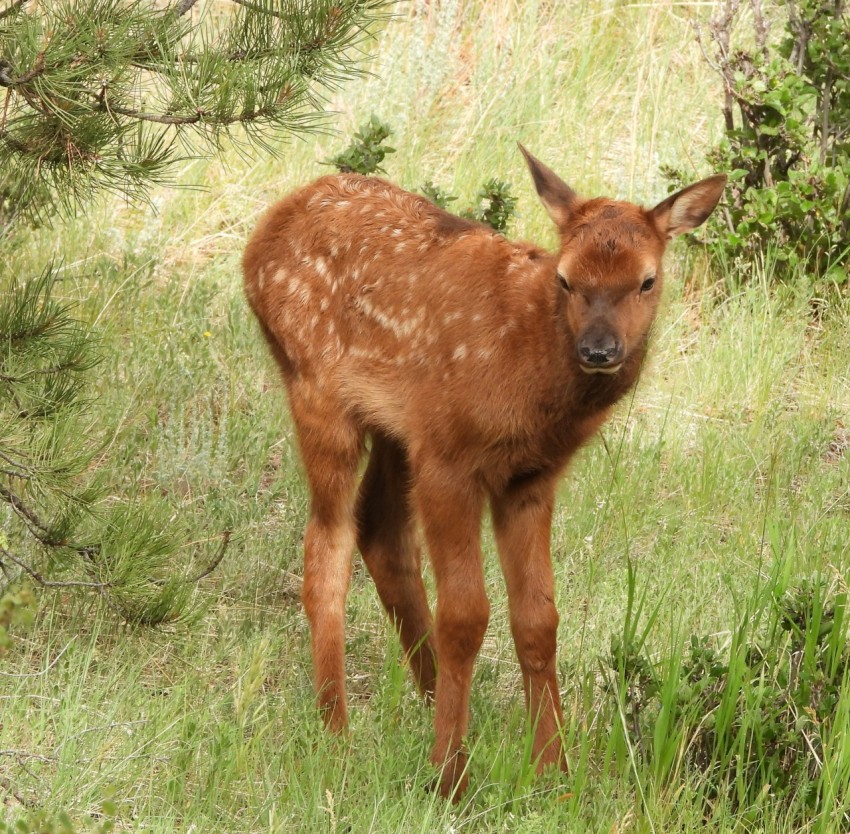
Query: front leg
450 508
522 520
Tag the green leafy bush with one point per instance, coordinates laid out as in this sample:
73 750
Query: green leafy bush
367 150
494 204
786 145
437 195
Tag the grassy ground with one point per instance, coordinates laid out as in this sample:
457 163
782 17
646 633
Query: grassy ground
727 463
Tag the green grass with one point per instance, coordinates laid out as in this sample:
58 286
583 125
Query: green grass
715 473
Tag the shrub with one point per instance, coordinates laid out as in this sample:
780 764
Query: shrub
494 204
437 195
786 145
367 150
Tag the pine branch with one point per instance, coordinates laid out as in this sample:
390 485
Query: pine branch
96 100
62 367
41 531
12 7
14 143
20 471
50 583
183 6
196 118
25 513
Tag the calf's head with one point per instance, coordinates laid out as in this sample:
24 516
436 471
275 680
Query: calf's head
609 264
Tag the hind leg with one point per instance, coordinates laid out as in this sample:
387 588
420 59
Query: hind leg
331 451
386 536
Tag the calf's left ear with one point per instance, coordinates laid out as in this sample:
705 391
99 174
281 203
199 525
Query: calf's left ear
686 209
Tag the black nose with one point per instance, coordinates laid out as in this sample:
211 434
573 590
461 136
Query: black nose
599 350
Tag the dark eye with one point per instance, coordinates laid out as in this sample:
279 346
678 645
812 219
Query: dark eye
563 282
647 285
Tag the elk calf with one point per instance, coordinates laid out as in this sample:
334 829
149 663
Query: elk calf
476 367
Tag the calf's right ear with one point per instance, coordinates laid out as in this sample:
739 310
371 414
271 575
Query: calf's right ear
686 209
557 197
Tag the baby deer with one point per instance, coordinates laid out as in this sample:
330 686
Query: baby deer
476 367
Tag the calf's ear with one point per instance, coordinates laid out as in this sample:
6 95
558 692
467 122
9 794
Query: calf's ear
686 209
557 197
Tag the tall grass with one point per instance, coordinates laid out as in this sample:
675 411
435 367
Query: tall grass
719 485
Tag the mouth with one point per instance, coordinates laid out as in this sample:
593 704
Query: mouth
595 369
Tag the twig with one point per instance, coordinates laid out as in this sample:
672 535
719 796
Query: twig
760 26
195 118
21 509
17 465
183 6
12 474
824 123
6 79
50 583
53 369
225 541
720 28
16 4
38 69
7 785
158 118
100 729
23 754
40 530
